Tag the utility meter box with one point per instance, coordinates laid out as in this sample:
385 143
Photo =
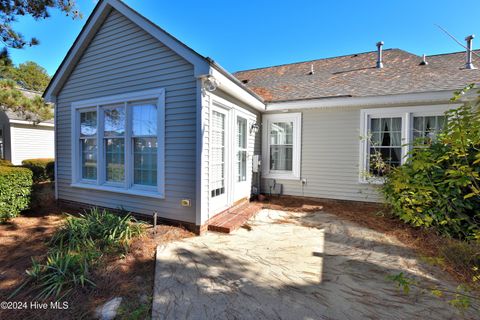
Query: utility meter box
256 163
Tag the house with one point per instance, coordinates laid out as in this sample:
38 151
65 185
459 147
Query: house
22 137
145 123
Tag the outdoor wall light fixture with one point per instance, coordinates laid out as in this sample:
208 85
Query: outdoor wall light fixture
254 128
211 84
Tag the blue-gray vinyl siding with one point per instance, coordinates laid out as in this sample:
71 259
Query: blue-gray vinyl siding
124 58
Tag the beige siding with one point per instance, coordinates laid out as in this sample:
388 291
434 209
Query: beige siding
123 58
330 157
30 142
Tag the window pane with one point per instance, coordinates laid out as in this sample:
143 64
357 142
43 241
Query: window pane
242 166
427 128
144 119
88 123
281 158
217 174
115 159
281 133
89 158
375 125
114 121
386 145
145 161
241 133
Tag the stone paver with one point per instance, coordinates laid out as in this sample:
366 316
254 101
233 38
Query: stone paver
292 266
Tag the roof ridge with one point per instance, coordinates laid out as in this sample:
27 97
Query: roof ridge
449 53
312 60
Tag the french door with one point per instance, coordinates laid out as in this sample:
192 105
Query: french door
219 181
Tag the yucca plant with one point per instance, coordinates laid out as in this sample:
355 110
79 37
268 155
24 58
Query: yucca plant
61 272
76 247
107 230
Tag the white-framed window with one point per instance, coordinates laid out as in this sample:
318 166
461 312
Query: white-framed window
391 132
282 145
118 143
242 137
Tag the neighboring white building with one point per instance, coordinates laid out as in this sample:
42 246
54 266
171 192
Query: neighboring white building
146 124
21 138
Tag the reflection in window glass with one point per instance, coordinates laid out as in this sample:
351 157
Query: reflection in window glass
144 119
89 159
145 161
88 123
115 159
144 128
88 144
114 143
114 121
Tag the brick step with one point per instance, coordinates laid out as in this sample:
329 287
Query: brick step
234 217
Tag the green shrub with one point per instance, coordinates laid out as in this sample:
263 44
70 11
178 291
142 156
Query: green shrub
107 230
439 185
15 191
42 168
4 162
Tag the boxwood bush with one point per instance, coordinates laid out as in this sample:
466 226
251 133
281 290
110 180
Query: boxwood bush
15 191
439 185
42 168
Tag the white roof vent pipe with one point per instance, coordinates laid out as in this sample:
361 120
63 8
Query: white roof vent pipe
469 62
380 54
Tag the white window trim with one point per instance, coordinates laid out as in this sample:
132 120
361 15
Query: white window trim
296 118
407 114
128 187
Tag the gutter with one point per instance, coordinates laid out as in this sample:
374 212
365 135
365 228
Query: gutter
430 97
228 83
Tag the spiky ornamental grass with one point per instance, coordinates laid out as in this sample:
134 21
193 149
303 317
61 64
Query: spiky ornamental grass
76 247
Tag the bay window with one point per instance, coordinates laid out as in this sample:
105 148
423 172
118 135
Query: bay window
388 134
282 145
119 143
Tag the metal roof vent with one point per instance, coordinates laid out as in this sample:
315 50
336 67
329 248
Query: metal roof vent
311 70
469 63
380 54
424 60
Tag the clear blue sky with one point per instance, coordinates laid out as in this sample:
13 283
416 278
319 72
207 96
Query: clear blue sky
255 33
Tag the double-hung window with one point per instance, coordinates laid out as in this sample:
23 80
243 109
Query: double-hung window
282 145
389 134
118 143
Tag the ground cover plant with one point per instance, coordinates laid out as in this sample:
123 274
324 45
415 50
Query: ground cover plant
76 248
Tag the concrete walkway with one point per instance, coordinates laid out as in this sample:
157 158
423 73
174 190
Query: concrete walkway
292 266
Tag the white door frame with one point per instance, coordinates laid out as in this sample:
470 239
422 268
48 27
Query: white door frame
234 190
221 202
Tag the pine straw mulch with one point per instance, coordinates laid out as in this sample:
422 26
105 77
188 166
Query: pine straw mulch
448 254
130 277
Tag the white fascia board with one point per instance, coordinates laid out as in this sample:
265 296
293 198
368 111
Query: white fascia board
201 66
235 90
372 101
40 124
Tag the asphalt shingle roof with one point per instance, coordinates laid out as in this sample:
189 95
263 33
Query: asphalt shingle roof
356 75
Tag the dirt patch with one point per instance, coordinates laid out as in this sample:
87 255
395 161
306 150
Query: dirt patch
429 244
129 276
